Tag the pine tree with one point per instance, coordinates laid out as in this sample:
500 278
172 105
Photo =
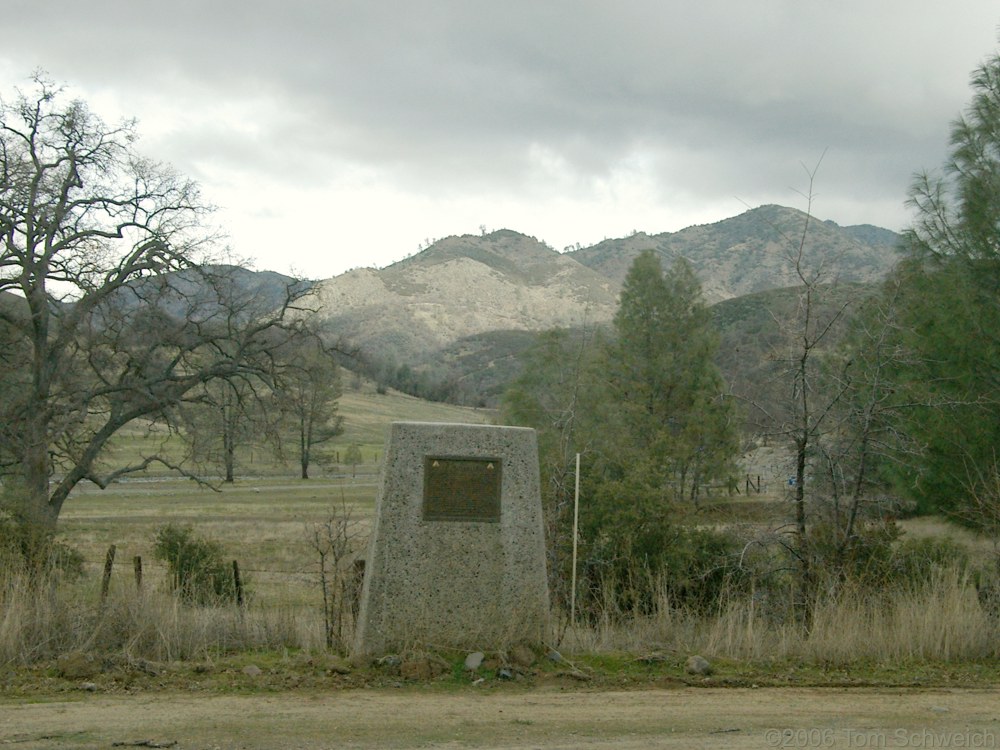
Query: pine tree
951 312
666 412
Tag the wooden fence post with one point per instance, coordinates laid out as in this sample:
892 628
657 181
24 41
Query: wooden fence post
238 582
137 567
109 563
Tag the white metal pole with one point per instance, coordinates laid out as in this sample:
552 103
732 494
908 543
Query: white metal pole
576 523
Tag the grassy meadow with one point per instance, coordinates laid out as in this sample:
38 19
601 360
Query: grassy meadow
261 523
367 415
267 521
261 517
264 521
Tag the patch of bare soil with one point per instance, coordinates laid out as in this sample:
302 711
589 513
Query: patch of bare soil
540 718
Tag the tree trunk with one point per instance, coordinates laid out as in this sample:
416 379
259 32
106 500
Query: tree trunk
229 448
805 582
29 495
304 450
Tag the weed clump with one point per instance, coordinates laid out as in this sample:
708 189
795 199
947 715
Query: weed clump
196 566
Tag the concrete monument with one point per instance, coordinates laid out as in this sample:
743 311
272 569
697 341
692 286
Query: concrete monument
457 555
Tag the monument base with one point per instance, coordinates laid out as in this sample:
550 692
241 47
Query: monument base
457 553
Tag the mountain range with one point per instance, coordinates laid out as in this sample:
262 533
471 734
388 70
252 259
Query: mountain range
461 287
449 322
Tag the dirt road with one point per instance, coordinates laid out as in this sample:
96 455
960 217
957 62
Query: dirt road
419 718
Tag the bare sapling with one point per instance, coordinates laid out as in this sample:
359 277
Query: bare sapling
335 542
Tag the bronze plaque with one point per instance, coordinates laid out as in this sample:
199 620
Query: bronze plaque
461 489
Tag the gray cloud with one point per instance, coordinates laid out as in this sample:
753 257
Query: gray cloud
449 98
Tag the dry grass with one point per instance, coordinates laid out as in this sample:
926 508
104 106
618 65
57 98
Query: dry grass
263 524
941 621
40 620
979 545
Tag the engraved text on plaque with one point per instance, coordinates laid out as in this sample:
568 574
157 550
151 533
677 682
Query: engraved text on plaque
461 489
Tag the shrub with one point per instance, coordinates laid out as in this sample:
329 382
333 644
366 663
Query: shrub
35 552
639 559
196 566
918 561
865 559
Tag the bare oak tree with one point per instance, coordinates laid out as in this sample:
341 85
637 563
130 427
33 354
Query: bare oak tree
108 317
307 391
836 413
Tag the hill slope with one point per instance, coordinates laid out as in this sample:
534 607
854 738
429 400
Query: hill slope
749 253
449 322
463 286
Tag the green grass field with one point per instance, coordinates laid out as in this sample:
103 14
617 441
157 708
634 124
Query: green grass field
248 515
367 416
263 518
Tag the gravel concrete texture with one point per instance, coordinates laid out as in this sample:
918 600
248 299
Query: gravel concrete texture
450 564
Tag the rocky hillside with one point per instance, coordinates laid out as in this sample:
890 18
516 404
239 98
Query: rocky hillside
465 286
750 253
462 286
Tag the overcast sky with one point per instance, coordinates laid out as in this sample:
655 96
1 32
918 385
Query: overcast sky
343 133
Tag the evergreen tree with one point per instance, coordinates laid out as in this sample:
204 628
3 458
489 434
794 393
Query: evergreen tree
555 394
951 311
666 416
644 407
